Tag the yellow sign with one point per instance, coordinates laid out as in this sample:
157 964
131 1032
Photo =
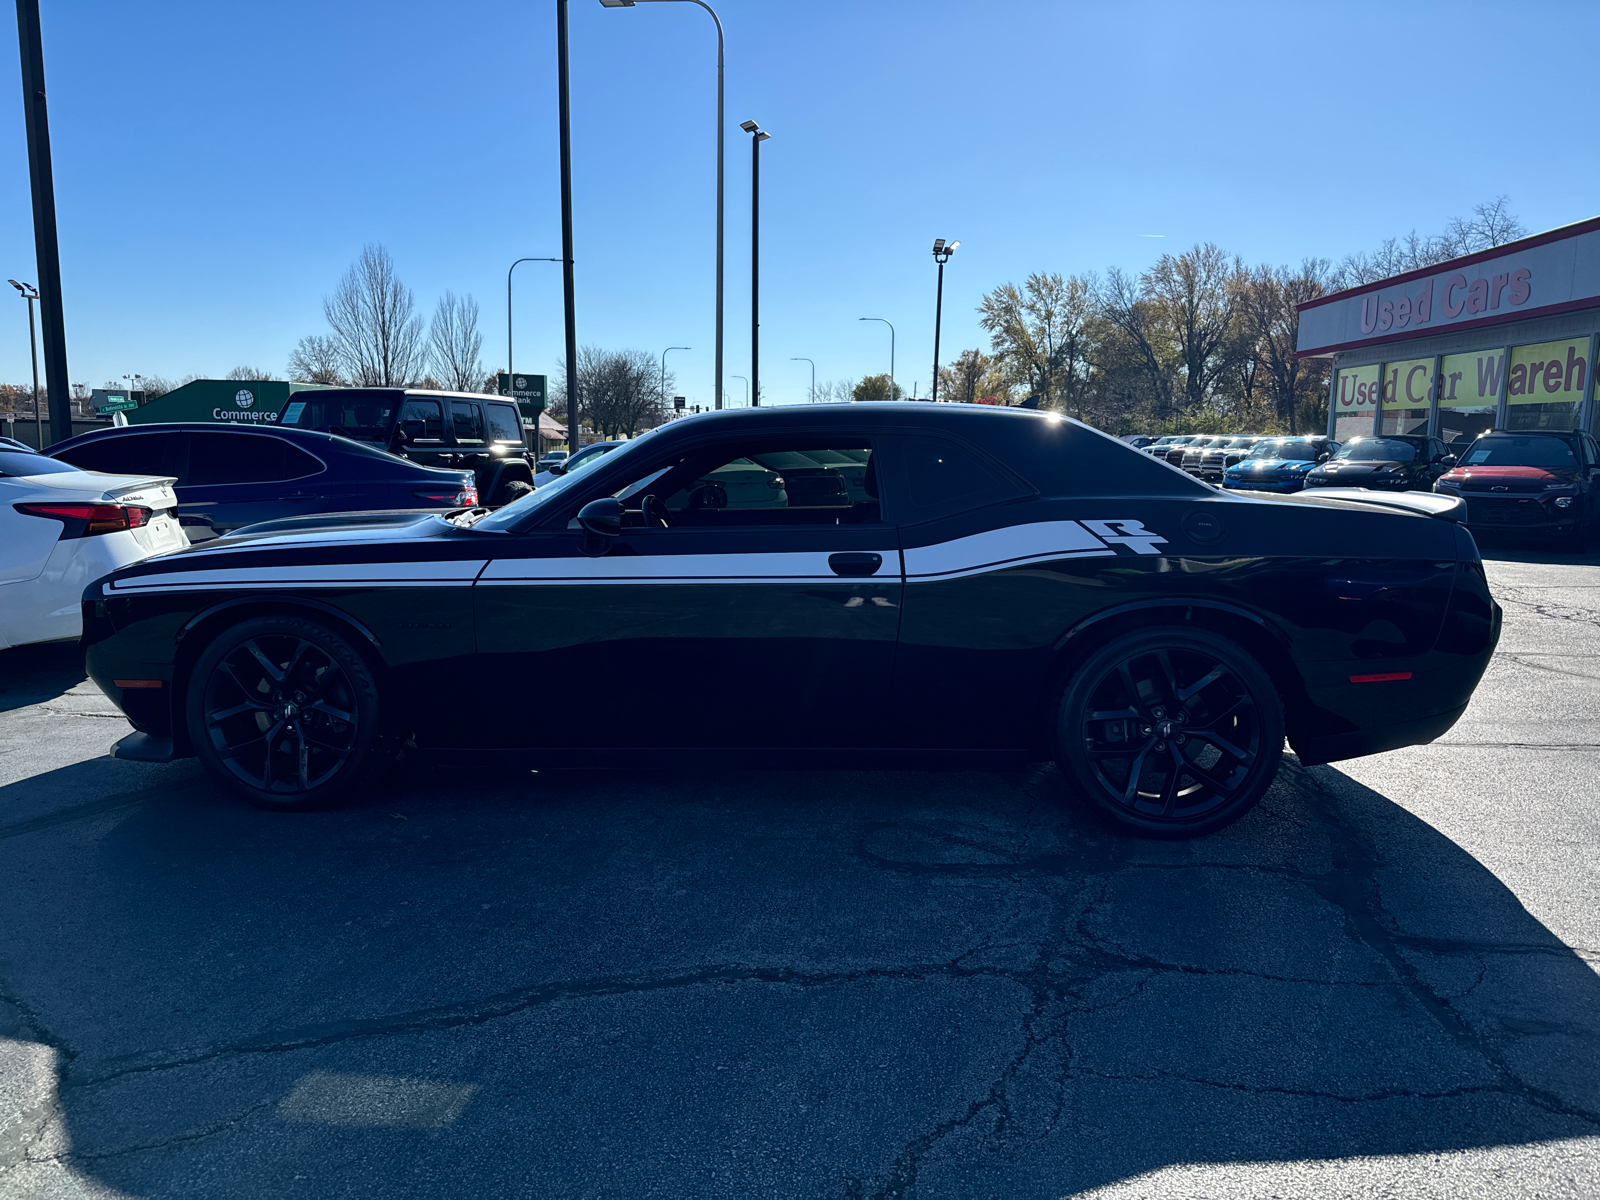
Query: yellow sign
1471 380
1356 390
1406 384
1548 373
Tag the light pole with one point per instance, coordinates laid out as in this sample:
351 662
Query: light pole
717 367
813 376
30 294
511 367
746 383
664 354
891 351
941 255
574 438
756 138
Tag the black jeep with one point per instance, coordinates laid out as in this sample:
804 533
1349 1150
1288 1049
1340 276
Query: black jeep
437 429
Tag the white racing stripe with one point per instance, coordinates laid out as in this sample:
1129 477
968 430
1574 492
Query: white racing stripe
801 567
1014 546
405 574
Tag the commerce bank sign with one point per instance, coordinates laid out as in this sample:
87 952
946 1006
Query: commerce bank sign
1551 273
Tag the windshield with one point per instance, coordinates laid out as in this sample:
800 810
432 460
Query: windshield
552 495
1377 450
1499 451
1285 451
24 463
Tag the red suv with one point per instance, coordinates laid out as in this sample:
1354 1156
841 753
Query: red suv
1528 482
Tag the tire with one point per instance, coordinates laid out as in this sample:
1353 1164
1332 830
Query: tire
287 714
512 489
1172 732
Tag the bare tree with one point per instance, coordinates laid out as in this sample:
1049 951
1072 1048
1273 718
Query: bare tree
316 359
1198 295
246 374
1140 322
375 326
454 343
1038 333
1271 300
835 391
1492 224
618 391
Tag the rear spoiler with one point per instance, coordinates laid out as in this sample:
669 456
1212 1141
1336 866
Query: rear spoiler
1423 504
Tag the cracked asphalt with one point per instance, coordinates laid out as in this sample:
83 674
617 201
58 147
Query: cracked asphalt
1380 983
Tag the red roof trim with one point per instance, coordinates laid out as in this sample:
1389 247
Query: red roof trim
1547 311
1527 243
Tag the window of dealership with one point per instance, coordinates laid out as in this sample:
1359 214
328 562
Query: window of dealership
1504 339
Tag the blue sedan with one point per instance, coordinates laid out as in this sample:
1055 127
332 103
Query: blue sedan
1278 464
229 477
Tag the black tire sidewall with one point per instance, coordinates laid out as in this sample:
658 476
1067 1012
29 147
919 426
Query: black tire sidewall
364 763
1074 764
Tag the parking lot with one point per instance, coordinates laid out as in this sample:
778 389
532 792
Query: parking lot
1380 982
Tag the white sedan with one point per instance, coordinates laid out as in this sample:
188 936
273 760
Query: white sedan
61 529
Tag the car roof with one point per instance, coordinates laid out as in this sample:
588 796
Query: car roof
289 433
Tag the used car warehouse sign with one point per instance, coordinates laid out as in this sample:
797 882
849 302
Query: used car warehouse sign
1551 273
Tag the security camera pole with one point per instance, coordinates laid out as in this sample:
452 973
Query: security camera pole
30 294
941 255
756 138
45 247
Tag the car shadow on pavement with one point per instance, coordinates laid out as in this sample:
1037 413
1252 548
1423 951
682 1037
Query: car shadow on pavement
1505 548
40 672
799 984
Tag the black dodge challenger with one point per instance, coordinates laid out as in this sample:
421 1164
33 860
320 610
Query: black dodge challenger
839 584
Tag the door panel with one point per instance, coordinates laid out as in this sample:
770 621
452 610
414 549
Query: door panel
691 637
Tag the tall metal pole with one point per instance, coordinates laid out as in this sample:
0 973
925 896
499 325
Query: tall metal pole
756 138
721 196
33 349
746 383
574 439
938 320
511 367
891 350
46 249
813 376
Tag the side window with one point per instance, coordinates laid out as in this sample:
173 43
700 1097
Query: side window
505 423
240 457
941 478
468 421
429 413
788 484
132 454
1591 449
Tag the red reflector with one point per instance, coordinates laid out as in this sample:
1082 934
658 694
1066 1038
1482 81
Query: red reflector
1390 677
137 683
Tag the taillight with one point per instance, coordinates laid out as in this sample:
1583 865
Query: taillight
87 520
463 497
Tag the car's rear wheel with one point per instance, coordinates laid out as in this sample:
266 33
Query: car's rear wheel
1172 732
286 713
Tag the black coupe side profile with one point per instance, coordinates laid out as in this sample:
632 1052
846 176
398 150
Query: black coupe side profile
870 583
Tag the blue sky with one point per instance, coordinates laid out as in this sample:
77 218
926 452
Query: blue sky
219 165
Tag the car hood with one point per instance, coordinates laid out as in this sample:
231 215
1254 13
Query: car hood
1538 477
1265 465
344 528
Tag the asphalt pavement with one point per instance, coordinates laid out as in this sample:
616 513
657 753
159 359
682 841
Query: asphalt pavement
1382 982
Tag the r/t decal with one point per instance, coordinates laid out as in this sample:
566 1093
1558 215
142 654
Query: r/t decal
1131 534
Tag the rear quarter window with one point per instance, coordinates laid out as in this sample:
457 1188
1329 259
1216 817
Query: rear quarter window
505 423
1060 457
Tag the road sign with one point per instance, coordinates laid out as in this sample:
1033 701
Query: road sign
109 400
678 402
531 392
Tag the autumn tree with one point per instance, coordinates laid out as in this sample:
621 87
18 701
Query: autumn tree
1038 333
876 387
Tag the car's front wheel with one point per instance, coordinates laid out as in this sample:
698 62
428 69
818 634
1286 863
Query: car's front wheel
1172 732
286 713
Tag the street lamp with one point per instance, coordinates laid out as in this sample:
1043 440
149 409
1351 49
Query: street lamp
891 351
511 367
664 354
30 294
717 367
756 138
813 376
746 383
941 255
569 303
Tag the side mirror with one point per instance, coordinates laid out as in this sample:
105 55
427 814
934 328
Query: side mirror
1448 461
1323 457
557 469
602 517
410 431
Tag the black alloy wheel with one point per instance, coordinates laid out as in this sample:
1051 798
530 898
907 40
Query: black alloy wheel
286 713
1173 732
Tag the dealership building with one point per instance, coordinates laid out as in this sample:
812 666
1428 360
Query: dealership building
1502 339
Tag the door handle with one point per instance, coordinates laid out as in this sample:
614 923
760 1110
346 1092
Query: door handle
853 562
